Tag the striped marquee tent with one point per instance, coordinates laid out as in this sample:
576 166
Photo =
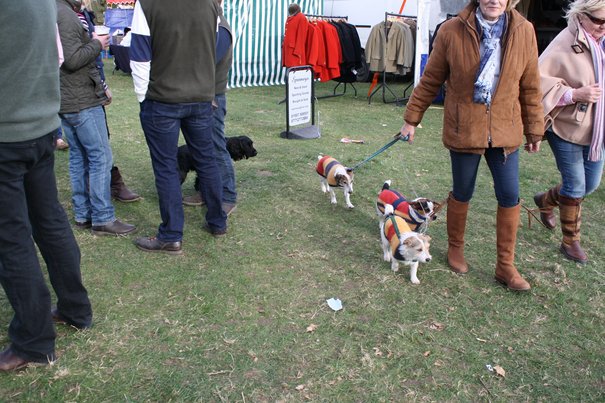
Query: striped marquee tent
258 26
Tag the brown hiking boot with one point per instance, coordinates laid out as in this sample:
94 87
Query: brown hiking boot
546 201
116 227
119 191
570 210
194 200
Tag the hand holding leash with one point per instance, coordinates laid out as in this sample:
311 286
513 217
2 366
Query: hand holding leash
407 133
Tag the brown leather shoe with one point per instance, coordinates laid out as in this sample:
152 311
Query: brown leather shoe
119 190
60 319
547 215
9 361
229 208
215 232
83 225
114 228
193 200
152 244
574 252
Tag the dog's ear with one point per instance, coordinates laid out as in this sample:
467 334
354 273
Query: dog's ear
426 239
234 147
439 205
411 242
416 205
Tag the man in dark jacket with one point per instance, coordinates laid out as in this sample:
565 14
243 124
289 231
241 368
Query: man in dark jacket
29 207
173 53
83 121
224 60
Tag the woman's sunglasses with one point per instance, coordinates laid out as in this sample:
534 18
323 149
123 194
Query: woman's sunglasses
595 20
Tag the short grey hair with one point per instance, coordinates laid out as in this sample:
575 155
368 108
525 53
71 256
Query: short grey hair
578 7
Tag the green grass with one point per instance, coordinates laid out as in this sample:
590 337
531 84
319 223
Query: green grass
227 320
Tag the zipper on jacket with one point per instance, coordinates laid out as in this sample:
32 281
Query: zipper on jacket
489 126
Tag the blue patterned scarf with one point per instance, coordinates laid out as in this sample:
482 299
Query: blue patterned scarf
491 35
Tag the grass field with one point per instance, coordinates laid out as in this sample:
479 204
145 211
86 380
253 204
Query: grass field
244 318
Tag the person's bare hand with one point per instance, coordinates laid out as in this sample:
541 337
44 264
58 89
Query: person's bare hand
104 39
407 130
109 96
533 147
587 94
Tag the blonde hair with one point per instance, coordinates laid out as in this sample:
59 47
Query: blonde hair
511 4
87 4
578 7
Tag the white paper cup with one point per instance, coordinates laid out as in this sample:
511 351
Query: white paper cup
101 30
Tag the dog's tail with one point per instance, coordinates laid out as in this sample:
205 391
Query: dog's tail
386 185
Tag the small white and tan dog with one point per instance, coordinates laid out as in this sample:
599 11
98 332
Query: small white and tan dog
418 213
335 175
402 245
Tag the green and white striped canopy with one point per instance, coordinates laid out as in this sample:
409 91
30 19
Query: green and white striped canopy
258 26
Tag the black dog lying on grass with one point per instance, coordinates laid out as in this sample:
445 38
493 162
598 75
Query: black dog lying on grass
239 147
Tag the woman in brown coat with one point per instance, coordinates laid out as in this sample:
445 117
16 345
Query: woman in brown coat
488 57
574 101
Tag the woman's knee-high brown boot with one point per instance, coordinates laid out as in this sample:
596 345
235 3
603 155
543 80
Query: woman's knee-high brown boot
456 224
571 217
507 223
546 201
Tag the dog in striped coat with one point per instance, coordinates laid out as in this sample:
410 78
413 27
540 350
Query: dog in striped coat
402 245
417 213
401 225
335 175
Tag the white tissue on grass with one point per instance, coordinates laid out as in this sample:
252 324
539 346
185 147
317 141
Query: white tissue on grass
335 304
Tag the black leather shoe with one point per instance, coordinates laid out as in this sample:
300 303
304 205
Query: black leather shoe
152 244
9 361
215 232
114 228
83 225
60 319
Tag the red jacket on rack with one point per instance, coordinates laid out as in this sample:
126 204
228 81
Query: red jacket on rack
295 39
316 51
333 50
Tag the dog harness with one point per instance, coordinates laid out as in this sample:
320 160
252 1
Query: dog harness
326 167
401 208
394 227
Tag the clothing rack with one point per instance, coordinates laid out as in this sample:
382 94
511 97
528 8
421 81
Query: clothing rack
383 85
327 17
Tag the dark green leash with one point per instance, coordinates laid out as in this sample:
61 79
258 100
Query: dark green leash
389 144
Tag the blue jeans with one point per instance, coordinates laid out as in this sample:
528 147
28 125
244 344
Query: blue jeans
224 161
505 173
162 123
580 176
90 162
32 212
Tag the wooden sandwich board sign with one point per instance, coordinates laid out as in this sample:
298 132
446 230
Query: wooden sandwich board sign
300 104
